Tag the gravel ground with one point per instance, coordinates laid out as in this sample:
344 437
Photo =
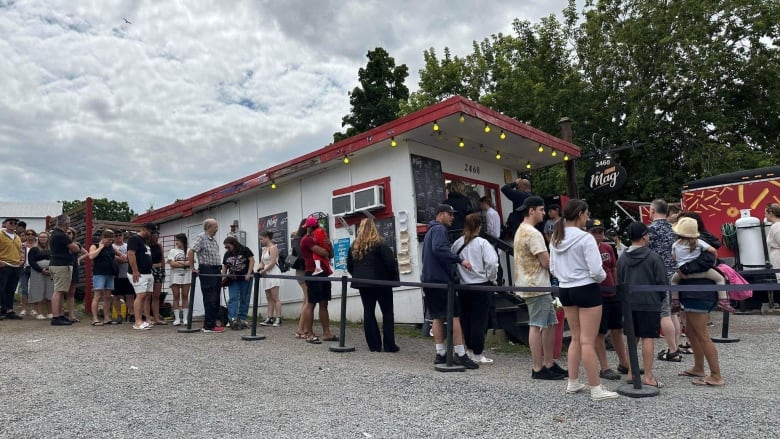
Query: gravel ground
109 381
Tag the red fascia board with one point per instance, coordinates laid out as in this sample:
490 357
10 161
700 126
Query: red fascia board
448 107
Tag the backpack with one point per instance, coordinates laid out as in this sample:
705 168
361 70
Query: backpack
281 262
735 278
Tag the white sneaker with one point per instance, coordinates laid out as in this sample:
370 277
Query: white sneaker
22 313
33 312
575 387
277 322
49 316
599 393
481 359
176 322
184 322
40 317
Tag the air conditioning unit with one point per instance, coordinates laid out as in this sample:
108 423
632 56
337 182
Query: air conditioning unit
341 204
370 198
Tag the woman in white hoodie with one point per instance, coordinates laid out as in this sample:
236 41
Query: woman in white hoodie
576 261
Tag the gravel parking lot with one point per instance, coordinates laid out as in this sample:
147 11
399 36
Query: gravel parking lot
109 381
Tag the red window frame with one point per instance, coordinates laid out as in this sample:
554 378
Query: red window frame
355 218
493 186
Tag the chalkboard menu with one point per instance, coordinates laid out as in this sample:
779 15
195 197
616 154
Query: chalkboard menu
386 228
276 224
428 187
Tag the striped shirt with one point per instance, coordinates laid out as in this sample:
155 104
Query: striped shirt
207 249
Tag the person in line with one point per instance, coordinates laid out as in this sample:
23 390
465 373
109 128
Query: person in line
102 255
11 261
139 257
210 265
63 249
439 263
662 239
78 259
319 292
123 289
475 305
576 262
772 215
611 309
553 215
152 306
28 243
687 248
41 284
268 265
370 257
181 277
322 263
640 266
457 198
300 270
492 219
532 262
613 237
517 191
237 264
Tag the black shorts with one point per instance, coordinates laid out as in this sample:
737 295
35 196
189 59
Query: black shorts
586 296
122 287
647 324
611 314
436 303
158 273
318 291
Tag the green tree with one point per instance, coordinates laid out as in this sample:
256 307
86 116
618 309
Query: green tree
378 98
103 209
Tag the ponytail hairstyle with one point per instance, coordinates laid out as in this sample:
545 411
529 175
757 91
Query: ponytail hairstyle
471 225
571 212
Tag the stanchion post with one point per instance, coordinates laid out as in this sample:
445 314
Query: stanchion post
635 390
188 329
343 323
449 366
255 297
724 338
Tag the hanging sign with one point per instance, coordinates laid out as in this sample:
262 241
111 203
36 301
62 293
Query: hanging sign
605 177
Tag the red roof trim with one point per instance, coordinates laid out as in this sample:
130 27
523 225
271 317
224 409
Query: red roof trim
336 151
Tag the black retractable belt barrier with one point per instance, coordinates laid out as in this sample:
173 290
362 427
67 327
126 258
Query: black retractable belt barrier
343 323
188 329
256 297
635 390
449 366
724 333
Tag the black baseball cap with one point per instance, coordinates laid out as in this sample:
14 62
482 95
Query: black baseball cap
594 224
532 201
444 208
152 227
636 231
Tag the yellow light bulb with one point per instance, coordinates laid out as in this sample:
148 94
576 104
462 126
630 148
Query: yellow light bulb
566 157
554 153
346 160
461 119
487 128
273 185
435 126
540 149
498 155
461 143
503 135
393 143
528 165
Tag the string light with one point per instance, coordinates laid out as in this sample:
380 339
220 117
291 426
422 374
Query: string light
540 149
462 118
487 128
554 153
498 155
393 143
435 125
502 136
273 184
566 157
346 160
528 165
461 143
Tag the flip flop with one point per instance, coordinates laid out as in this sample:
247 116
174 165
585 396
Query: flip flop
657 384
97 323
687 373
702 382
314 340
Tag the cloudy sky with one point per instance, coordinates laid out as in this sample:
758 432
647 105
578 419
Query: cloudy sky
193 94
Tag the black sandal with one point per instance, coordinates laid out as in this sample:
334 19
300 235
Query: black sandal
674 357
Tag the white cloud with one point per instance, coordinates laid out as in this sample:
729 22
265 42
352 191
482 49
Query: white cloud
198 93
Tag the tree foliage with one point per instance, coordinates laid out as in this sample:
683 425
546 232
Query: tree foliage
103 209
694 80
377 100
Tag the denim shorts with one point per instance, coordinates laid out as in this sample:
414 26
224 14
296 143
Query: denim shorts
697 305
540 311
102 282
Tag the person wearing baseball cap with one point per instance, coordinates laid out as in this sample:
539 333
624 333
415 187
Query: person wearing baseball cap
641 266
315 245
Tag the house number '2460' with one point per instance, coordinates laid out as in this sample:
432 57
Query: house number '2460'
471 168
